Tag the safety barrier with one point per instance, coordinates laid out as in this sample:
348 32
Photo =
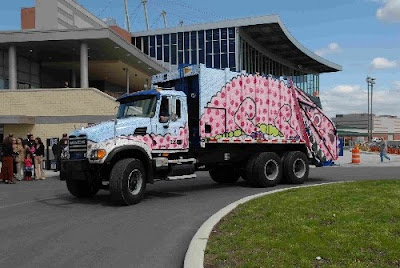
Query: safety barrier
355 156
390 150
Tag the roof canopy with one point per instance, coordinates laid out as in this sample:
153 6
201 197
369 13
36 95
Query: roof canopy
60 49
270 33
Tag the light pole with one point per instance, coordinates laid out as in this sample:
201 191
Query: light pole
371 83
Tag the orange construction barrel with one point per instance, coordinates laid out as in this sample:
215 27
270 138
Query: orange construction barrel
355 156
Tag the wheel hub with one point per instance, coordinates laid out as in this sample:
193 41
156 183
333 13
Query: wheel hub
271 169
135 181
299 168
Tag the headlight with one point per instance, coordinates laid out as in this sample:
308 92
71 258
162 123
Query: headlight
98 154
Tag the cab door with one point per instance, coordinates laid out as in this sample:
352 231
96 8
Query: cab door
173 134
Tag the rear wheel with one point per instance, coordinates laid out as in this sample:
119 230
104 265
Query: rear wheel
80 188
128 181
267 170
296 167
224 174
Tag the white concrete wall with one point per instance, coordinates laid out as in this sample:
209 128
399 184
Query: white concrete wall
386 124
64 14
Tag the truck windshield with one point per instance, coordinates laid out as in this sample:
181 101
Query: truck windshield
145 106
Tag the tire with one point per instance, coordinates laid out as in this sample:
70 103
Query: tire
296 167
224 174
63 176
81 189
243 174
128 181
250 170
267 170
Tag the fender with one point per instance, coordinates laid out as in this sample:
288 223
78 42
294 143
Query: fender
134 150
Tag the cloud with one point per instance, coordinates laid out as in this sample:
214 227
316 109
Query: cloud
383 63
332 48
345 99
396 87
390 11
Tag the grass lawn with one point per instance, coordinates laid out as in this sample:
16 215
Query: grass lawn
347 225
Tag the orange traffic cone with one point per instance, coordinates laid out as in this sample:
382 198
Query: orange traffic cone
355 155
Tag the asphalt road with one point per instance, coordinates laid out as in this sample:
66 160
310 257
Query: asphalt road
41 225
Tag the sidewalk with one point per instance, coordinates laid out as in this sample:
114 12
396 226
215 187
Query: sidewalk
369 159
49 173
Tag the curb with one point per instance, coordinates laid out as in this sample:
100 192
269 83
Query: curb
194 257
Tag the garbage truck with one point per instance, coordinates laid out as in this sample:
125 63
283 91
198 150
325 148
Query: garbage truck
231 124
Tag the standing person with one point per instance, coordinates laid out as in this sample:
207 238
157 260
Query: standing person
15 155
31 148
28 163
383 149
19 159
6 174
26 141
39 154
61 147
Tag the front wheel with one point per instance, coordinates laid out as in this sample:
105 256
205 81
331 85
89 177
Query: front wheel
224 174
128 181
80 188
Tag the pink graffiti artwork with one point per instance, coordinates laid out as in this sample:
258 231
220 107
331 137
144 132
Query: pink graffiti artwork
254 106
257 107
166 142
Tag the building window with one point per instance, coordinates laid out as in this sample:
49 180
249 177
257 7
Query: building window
224 61
159 47
232 61
209 61
138 42
224 46
231 33
152 46
217 63
180 41
201 46
186 47
180 48
193 47
209 52
173 49
146 45
224 33
166 47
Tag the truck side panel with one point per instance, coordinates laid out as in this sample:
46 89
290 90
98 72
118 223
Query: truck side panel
256 107
250 108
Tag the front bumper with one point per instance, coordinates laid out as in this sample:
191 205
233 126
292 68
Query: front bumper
75 169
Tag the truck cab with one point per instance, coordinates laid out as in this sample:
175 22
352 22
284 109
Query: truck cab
150 126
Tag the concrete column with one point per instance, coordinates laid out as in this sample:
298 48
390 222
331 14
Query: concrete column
84 66
12 67
73 79
127 80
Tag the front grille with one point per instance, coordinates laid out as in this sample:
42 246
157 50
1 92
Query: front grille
77 146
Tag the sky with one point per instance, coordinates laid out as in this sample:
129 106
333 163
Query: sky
363 36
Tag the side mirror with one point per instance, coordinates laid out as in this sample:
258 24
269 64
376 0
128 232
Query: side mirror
164 119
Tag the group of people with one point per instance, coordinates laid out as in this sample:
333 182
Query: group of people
22 159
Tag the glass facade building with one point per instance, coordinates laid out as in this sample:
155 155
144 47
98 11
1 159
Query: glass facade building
220 48
216 48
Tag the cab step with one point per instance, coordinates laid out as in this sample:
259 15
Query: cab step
182 177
